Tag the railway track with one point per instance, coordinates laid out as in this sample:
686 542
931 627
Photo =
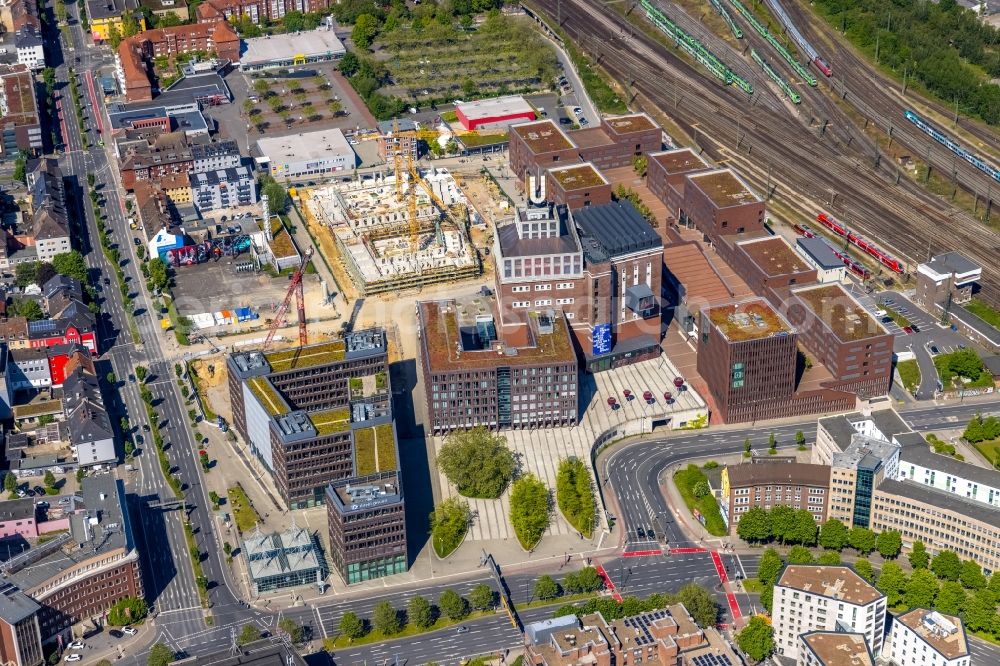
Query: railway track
880 99
808 172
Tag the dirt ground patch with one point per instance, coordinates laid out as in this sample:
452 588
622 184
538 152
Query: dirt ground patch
322 235
213 385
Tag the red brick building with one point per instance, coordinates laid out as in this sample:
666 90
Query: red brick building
135 55
768 484
577 186
538 146
666 178
146 159
256 10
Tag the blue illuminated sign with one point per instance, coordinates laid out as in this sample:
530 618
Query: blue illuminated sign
602 339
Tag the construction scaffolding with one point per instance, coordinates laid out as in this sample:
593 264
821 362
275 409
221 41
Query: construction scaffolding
398 230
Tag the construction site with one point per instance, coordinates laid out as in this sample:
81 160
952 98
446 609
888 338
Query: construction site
398 230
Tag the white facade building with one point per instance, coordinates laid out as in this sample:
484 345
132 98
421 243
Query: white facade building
318 153
820 598
921 465
927 638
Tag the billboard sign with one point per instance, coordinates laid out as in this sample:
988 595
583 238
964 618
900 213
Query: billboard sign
601 339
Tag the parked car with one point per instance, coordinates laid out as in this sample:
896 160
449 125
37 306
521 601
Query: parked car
74 656
129 631
75 645
463 629
137 242
914 328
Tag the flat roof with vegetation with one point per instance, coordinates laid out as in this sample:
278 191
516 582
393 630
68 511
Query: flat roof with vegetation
578 177
740 322
374 450
840 312
331 421
267 395
38 409
306 357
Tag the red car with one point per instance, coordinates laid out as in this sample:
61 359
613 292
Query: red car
907 330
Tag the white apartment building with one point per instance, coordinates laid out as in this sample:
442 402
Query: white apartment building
833 648
820 598
927 638
920 464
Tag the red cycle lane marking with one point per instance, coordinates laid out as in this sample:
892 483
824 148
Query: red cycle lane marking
685 551
734 606
641 553
607 581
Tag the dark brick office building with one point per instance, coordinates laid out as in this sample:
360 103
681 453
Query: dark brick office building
367 525
476 372
320 420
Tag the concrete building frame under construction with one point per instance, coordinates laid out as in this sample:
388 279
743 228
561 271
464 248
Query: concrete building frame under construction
393 236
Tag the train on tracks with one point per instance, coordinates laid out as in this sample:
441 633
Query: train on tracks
942 138
785 87
772 40
793 32
887 260
695 48
852 265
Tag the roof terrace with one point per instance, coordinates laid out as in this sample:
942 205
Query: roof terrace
740 322
840 312
578 176
724 188
774 256
307 357
543 136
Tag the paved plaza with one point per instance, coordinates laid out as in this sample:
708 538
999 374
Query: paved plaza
542 450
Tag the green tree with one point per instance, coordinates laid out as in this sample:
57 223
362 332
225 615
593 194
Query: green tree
294 21
546 588
772 442
160 655
449 522
921 589
754 525
72 264
114 37
248 634
419 612
452 605
918 557
294 630
799 555
20 173
701 489
385 619
782 522
27 308
351 625
756 640
971 575
584 580
481 597
994 585
951 598
158 276
833 535
861 539
981 611
888 544
946 565
700 603
277 197
478 462
575 495
892 583
864 569
800 439
530 503
640 165
746 446
26 273
804 528
769 567
830 558
10 482
141 372
128 610
365 30
50 479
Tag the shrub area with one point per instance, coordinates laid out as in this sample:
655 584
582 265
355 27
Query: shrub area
686 480
575 495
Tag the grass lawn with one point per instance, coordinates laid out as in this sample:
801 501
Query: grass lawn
474 140
985 312
752 585
909 374
244 514
442 550
686 479
989 449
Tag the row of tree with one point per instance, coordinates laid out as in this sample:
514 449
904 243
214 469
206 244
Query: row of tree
421 614
787 525
982 429
699 602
